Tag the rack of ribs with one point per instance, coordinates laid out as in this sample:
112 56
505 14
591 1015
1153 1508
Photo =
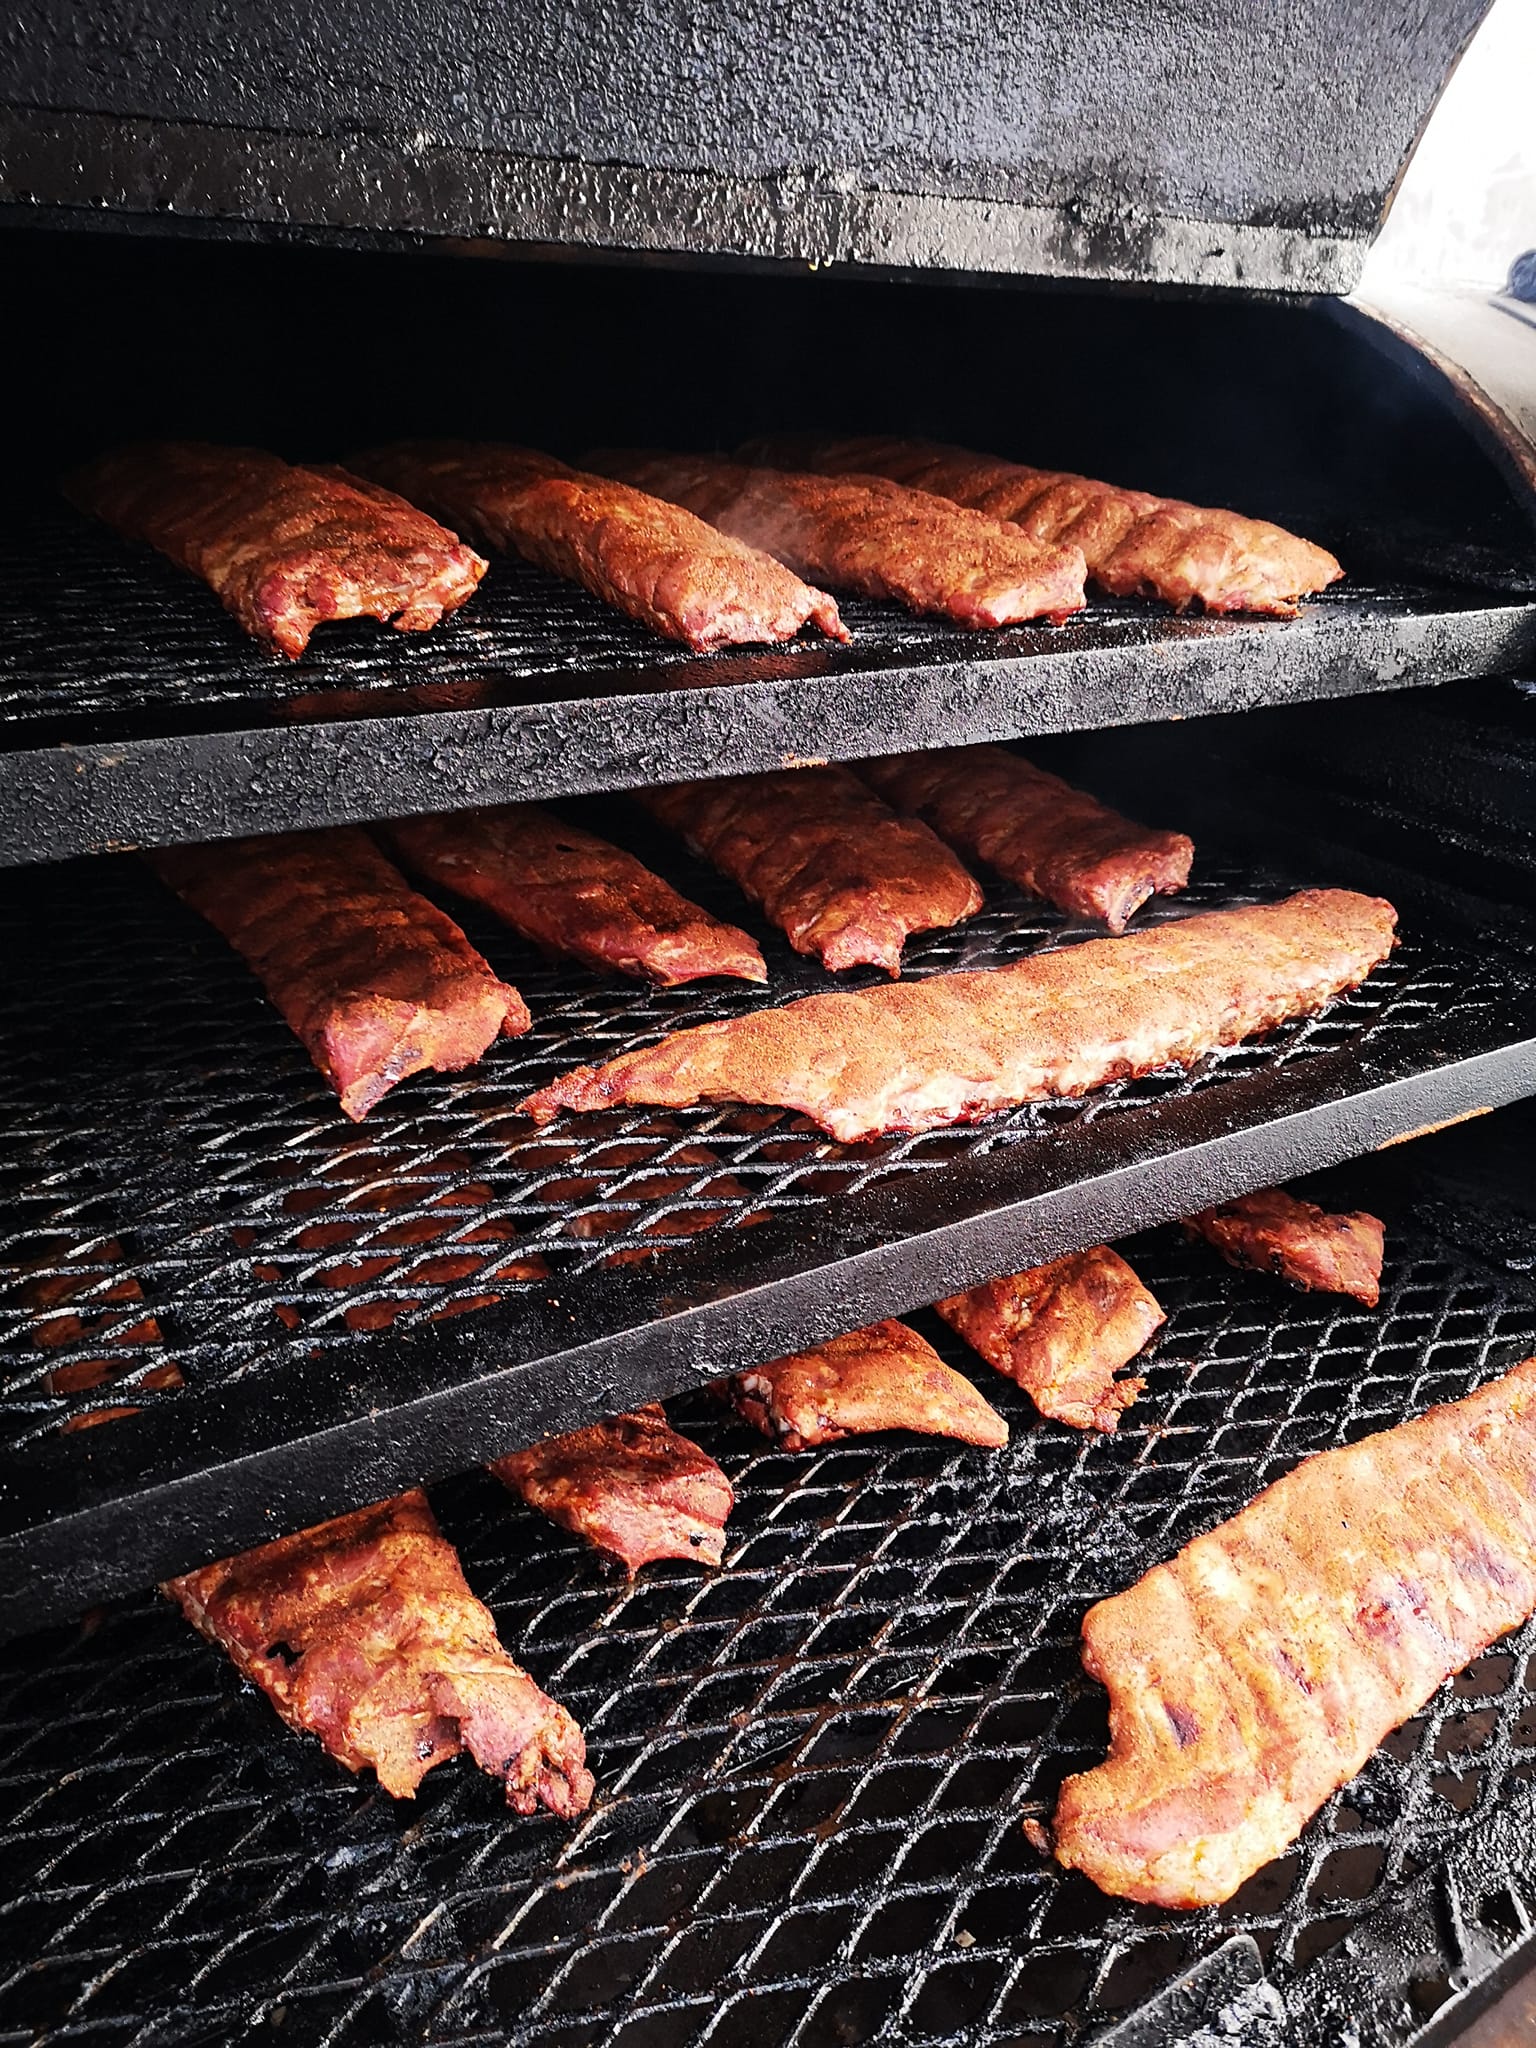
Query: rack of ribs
870 537
1254 1673
284 548
1063 1331
1036 830
1134 544
363 1632
885 1377
630 1486
375 981
652 560
955 1047
1273 1232
842 876
573 893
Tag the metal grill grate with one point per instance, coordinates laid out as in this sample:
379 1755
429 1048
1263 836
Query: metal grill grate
196 1239
182 727
166 1139
111 635
812 1767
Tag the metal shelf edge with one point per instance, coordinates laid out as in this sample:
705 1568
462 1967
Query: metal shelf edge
61 800
765 1301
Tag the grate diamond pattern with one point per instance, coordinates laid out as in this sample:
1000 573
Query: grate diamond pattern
812 1767
114 637
185 1202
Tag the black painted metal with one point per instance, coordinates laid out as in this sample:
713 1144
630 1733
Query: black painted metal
167 1152
133 711
812 1767
977 137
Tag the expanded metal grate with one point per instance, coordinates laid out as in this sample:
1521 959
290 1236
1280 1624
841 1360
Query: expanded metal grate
181 727
274 1310
812 1766
184 1204
115 637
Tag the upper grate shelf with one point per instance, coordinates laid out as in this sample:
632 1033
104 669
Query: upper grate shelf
134 711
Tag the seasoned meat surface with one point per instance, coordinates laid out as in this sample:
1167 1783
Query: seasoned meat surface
955 1047
843 877
362 1631
375 981
1134 544
1056 841
651 559
885 1377
1273 1232
867 535
1063 1331
284 548
573 893
630 1486
1255 1672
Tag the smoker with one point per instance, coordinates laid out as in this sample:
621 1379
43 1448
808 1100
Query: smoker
1126 242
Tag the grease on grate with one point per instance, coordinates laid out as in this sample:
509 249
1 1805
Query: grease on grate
812 1769
194 1134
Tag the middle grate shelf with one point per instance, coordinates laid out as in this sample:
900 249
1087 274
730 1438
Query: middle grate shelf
230 1312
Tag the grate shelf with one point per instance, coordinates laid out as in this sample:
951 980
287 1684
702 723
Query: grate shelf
133 711
812 1767
225 1310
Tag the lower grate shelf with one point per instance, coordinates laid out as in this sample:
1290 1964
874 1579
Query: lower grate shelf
275 1314
812 1768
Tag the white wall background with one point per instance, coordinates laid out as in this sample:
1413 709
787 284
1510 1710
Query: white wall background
1466 206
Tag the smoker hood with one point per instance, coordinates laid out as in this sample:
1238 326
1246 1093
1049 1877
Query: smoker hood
1199 143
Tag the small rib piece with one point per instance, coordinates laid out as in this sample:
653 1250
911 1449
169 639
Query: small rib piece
1273 1232
885 1377
630 1486
867 535
573 893
373 979
1062 1331
955 1047
838 872
1036 830
362 1631
285 549
1254 1674
653 560
1134 544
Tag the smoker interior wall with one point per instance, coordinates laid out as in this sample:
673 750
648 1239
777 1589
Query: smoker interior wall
1273 406
1426 799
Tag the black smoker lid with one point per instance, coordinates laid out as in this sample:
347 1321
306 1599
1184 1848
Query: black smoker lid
1205 142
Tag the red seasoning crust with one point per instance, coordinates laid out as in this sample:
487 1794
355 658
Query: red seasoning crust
573 893
1254 1673
866 535
375 981
885 1377
652 560
1135 544
285 549
1062 1332
955 1047
362 1631
1273 1232
1035 830
630 1486
843 877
